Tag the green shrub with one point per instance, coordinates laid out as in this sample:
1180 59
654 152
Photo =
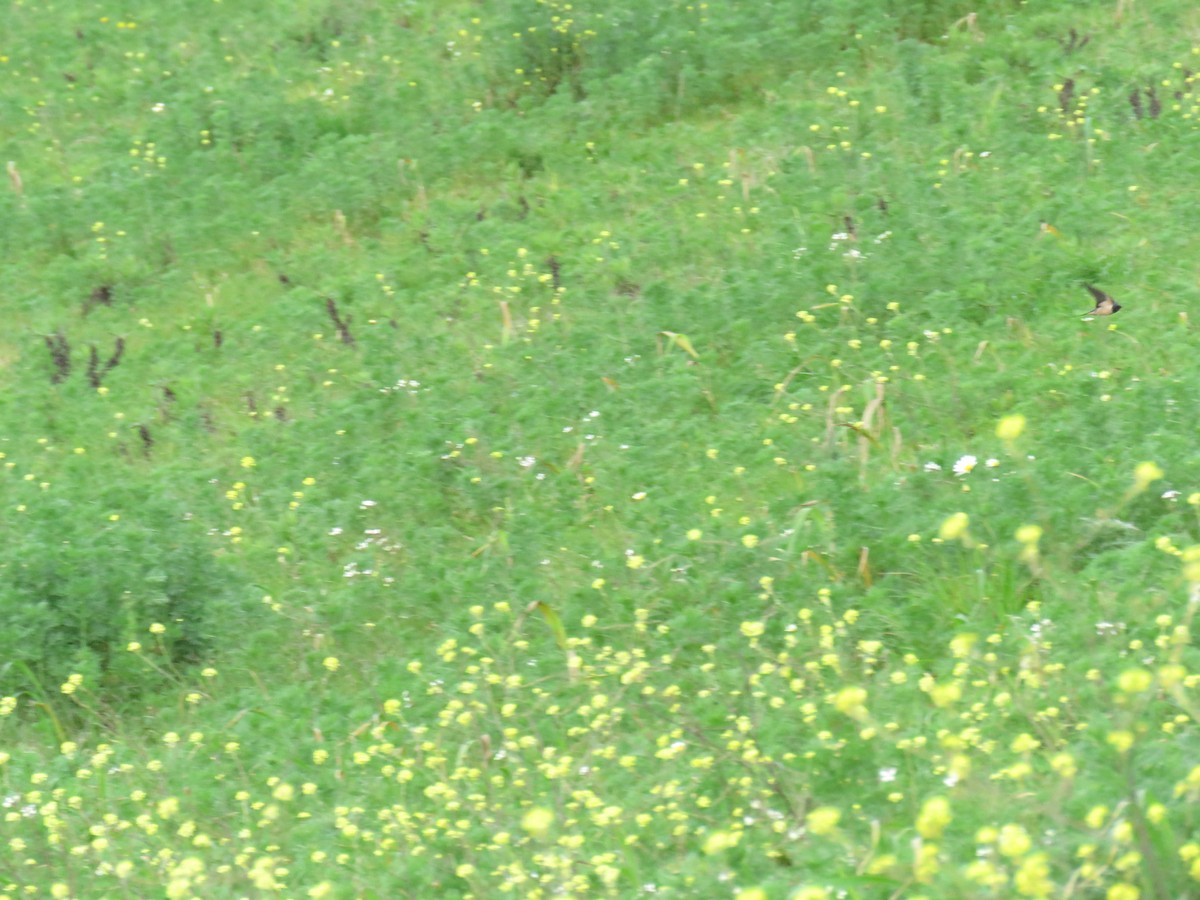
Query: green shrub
78 589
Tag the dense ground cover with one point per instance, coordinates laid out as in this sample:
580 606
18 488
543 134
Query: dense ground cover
599 449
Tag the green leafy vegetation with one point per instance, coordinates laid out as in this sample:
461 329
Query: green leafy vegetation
550 449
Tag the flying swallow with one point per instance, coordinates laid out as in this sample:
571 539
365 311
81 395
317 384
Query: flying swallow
1105 305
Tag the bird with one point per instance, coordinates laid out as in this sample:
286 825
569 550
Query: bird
1105 305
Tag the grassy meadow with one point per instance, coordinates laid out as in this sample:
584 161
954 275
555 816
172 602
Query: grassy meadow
599 449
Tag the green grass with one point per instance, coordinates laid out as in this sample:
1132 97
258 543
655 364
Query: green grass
527 468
